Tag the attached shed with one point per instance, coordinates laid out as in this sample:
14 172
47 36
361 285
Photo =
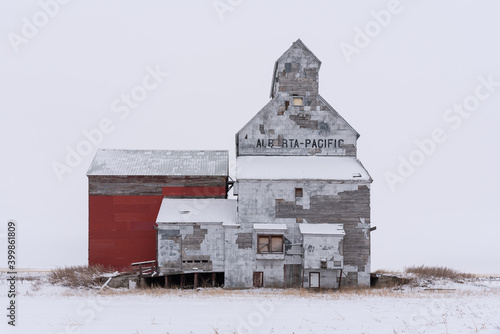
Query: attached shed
191 240
323 254
126 189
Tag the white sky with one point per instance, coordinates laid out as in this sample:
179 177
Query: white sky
66 76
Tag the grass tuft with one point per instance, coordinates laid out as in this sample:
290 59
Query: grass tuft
437 272
78 276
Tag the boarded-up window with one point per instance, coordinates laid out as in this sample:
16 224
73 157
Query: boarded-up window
277 244
263 244
270 244
298 101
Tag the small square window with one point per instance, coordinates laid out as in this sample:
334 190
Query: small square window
298 192
298 101
299 220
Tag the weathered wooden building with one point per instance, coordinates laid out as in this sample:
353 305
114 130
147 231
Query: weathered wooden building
302 214
303 195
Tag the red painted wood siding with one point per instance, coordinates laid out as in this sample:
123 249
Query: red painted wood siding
121 229
194 191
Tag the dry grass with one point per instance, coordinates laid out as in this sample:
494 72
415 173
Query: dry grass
383 271
345 294
78 276
437 272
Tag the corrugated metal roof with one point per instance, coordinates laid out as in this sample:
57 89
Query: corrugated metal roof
160 162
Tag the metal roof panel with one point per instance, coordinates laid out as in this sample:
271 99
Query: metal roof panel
160 162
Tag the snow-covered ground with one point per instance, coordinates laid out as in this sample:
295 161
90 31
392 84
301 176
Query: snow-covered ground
472 307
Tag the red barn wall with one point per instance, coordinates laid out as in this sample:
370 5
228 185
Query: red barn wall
123 212
121 229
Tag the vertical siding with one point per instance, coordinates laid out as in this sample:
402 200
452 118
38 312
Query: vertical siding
121 229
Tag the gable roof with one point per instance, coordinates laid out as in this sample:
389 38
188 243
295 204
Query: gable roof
337 114
319 97
159 162
297 44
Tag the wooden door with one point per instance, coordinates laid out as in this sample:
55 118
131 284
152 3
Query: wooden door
258 279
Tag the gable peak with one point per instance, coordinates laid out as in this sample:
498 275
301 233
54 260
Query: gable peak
296 64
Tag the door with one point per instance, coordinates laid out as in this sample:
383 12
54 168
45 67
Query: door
258 279
314 280
293 275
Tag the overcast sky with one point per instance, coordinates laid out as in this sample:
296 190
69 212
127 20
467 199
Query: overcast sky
398 72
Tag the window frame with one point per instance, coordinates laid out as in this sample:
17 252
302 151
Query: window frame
296 99
269 243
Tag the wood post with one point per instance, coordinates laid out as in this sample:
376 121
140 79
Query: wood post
340 280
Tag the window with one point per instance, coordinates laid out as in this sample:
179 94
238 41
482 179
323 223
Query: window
298 101
269 244
298 192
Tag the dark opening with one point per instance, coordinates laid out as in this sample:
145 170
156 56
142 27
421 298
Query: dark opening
189 281
287 103
173 281
298 192
155 282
